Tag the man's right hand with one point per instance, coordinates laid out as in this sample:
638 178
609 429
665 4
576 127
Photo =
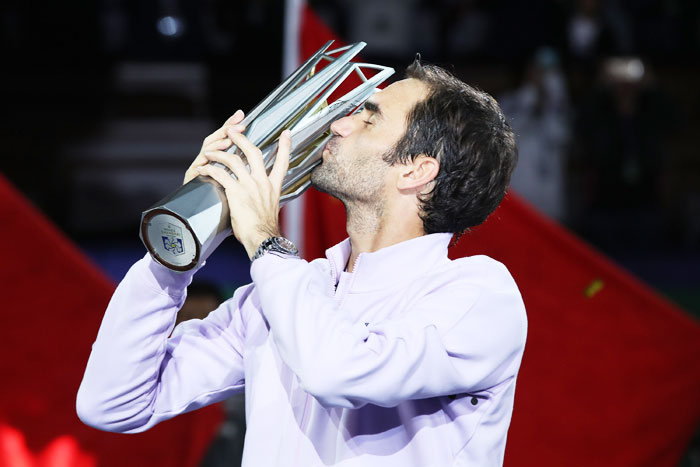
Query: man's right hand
217 141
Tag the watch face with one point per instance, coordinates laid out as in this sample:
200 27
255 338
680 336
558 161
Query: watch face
286 245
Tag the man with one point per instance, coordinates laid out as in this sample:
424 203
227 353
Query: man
384 354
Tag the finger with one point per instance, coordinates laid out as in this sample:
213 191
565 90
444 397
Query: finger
201 159
234 122
281 165
234 119
221 133
232 162
218 134
218 145
191 171
252 153
220 175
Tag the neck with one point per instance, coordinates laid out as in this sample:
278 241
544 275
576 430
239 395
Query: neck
372 228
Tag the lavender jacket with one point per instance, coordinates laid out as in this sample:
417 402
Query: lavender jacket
411 360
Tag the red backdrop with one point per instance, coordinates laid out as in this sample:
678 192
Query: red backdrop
53 300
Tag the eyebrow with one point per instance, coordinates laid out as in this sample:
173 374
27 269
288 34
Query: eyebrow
373 107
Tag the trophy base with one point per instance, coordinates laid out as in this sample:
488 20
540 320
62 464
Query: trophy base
170 240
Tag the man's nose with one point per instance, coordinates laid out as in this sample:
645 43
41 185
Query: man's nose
343 126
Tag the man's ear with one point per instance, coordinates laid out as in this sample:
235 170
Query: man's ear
418 173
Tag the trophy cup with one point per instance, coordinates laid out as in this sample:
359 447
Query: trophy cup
184 228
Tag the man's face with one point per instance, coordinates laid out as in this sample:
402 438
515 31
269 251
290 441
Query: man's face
353 169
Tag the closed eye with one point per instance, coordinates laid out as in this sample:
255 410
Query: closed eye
373 109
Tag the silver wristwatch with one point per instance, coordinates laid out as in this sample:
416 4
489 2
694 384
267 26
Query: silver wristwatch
277 244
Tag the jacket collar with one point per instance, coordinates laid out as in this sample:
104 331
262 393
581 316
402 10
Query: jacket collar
391 265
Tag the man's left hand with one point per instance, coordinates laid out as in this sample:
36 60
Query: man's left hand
253 197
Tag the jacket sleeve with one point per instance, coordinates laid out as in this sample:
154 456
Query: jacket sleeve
136 376
417 355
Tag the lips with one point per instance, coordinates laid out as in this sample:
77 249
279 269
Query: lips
331 145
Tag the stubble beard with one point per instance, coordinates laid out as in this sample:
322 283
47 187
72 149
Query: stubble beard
358 178
358 182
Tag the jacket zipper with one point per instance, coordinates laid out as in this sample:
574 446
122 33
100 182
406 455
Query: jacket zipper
355 265
334 275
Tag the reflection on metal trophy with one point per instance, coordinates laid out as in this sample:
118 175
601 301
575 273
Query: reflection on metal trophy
184 228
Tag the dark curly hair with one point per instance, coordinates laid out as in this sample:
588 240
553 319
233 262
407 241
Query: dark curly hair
464 129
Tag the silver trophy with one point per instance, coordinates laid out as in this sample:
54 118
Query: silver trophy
184 228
